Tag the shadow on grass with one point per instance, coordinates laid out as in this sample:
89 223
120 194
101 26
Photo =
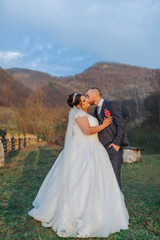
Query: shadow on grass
36 166
9 157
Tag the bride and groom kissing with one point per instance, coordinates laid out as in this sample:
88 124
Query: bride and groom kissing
81 195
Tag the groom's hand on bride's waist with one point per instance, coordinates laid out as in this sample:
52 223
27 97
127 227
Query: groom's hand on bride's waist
116 147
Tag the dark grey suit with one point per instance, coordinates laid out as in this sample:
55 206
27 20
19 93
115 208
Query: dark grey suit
114 133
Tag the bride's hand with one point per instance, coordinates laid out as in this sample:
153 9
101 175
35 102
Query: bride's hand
107 121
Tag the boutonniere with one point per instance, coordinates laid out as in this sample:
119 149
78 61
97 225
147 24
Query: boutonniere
107 113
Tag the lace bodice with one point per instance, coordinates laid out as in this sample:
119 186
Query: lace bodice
76 129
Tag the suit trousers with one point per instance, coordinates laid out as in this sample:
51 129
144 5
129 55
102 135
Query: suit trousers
116 160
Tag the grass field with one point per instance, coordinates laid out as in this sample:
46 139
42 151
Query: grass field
25 171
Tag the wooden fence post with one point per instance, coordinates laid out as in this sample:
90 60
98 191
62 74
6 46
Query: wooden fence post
26 140
2 161
7 143
21 141
12 143
15 143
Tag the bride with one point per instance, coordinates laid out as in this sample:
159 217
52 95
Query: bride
80 196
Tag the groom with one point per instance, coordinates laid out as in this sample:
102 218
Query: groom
114 136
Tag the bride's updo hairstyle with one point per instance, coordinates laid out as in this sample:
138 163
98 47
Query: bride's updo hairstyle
74 99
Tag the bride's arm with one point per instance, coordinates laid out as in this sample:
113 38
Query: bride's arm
83 123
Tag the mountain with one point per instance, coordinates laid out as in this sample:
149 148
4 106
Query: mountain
55 92
116 81
12 91
135 88
31 79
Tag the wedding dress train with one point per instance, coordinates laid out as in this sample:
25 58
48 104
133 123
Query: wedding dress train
80 196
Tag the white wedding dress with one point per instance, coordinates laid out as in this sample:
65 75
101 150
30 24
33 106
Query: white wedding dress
80 196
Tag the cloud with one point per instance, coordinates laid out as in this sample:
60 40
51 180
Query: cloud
27 41
77 59
73 59
37 47
49 46
62 50
94 9
8 56
125 31
35 63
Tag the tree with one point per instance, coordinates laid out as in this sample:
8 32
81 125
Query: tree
156 82
8 96
35 118
34 107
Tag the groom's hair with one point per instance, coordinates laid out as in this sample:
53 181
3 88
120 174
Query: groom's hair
96 90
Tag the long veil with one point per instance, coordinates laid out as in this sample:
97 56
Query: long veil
69 131
58 182
67 164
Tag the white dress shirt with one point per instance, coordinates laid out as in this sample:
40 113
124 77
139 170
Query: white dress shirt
99 106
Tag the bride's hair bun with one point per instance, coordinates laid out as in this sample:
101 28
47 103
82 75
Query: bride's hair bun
74 99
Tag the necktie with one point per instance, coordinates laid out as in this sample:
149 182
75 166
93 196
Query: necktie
98 110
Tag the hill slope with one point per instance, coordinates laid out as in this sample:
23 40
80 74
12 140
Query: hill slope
31 79
55 94
117 81
135 88
12 91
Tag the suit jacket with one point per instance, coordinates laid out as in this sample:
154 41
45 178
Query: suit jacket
116 131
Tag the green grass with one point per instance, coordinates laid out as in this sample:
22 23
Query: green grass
25 171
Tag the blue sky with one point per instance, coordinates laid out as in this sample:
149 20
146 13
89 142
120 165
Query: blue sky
64 37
